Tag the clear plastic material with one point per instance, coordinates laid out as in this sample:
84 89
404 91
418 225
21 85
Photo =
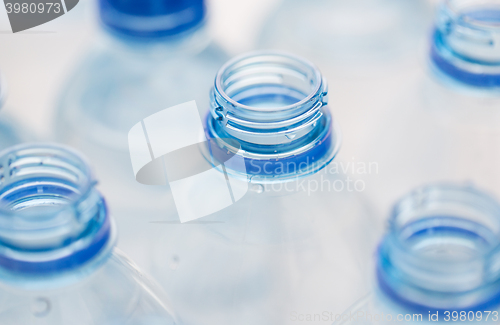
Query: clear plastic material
151 18
120 82
57 261
300 238
438 261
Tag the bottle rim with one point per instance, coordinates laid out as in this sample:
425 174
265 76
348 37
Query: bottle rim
274 134
153 26
253 58
455 9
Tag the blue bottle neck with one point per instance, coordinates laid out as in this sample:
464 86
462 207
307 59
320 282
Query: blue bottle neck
442 252
151 20
274 105
466 42
52 219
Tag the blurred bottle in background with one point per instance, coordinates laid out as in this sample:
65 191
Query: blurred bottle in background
58 264
151 55
369 50
446 125
299 232
438 263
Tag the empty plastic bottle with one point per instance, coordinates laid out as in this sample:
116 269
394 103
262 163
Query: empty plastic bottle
446 126
297 232
152 55
438 262
58 264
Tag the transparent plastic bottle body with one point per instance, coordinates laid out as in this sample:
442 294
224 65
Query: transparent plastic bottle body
58 264
114 293
268 256
445 126
297 240
437 262
123 80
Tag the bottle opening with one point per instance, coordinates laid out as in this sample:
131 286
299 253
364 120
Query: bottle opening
466 44
51 217
274 105
268 82
443 249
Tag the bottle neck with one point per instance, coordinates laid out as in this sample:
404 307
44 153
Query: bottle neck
466 42
274 105
150 20
52 219
442 251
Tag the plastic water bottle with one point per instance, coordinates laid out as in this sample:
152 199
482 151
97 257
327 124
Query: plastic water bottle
296 233
445 126
9 134
152 55
58 264
438 262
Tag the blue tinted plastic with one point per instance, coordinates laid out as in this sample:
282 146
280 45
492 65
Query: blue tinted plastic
442 251
47 192
57 262
151 19
274 104
465 45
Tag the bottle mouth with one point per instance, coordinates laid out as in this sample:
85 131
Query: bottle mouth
442 251
466 42
274 105
152 19
51 217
